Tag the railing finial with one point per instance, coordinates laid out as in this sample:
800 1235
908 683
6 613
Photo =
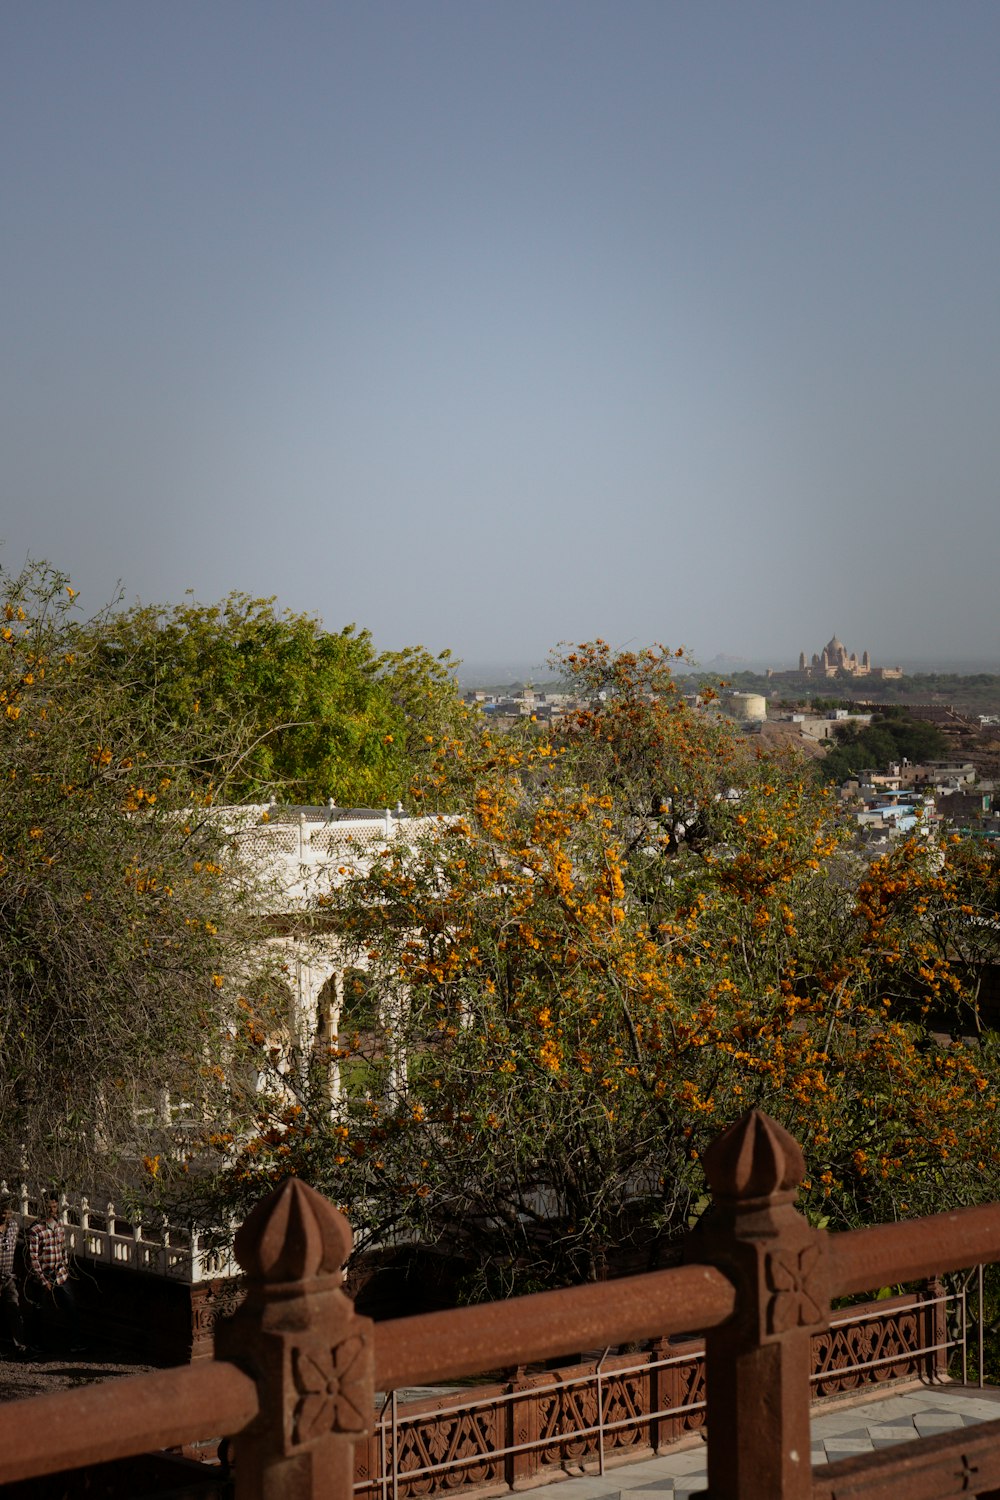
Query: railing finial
292 1235
754 1159
758 1363
312 1356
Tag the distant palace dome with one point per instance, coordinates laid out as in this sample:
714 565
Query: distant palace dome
836 661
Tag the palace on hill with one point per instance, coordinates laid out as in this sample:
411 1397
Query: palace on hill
834 661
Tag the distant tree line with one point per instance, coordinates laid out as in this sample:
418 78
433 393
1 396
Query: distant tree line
890 738
977 692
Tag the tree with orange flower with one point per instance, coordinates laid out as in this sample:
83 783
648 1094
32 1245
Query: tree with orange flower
640 926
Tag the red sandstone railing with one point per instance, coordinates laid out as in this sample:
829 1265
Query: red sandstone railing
617 1407
296 1368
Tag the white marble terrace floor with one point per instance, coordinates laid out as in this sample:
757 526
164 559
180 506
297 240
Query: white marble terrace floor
838 1431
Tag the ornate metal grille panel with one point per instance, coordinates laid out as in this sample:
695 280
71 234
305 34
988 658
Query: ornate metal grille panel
581 1415
458 1451
895 1339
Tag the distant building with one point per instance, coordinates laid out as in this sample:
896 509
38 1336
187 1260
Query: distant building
835 661
824 728
746 708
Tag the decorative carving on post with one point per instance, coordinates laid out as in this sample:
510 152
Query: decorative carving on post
794 1281
758 1364
312 1356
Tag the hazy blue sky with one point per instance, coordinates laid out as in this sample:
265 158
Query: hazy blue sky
489 323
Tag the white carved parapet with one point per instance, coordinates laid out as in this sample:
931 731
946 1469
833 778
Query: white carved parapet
175 1251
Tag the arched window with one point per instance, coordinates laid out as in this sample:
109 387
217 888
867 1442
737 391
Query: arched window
361 1060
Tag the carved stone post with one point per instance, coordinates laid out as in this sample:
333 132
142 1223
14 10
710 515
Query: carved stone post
522 1466
662 1430
758 1364
935 1329
311 1355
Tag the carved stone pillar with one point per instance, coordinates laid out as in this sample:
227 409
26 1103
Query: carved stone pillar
311 1355
935 1329
521 1466
662 1430
758 1364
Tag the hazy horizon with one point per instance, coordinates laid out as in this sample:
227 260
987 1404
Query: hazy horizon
492 326
507 671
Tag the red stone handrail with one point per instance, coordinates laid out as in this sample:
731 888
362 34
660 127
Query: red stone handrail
913 1249
449 1345
118 1419
595 1411
295 1373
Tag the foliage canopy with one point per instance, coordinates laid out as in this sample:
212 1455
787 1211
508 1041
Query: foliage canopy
318 713
125 923
890 738
638 927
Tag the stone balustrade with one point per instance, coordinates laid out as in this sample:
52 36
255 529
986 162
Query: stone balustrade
296 1369
97 1231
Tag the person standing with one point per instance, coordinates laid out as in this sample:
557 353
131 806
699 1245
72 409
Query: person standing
49 1263
10 1301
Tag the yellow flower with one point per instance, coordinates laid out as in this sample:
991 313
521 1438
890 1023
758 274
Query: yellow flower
548 1056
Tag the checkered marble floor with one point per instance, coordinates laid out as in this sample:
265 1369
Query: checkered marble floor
837 1432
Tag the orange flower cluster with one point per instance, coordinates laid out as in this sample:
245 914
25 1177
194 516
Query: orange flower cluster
640 929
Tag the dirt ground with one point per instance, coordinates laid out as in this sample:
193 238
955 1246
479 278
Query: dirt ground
20 1379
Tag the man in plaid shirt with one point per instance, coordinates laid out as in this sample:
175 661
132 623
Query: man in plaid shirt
48 1262
10 1301
47 1249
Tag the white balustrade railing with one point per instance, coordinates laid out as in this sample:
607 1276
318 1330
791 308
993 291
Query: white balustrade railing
103 1234
304 851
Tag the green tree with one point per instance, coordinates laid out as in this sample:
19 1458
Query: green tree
125 921
320 714
891 737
